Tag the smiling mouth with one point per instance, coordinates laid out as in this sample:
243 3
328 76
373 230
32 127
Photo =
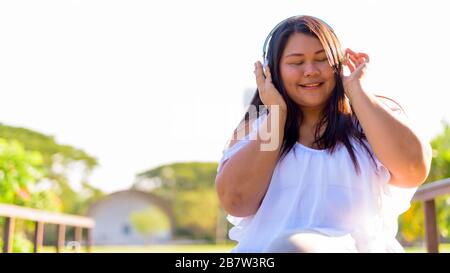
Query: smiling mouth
311 85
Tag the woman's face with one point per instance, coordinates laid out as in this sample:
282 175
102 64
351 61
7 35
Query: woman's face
306 72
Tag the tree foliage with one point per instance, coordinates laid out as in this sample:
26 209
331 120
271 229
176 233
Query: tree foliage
411 223
56 162
33 173
189 188
150 221
47 146
20 172
197 211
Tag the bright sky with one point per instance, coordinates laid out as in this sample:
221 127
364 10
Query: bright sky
143 83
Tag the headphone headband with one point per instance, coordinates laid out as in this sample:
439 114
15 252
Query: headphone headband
268 38
266 42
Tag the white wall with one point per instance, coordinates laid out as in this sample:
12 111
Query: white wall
112 217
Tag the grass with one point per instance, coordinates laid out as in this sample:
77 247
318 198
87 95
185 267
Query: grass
197 248
443 248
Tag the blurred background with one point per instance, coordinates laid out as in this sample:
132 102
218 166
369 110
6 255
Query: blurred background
119 110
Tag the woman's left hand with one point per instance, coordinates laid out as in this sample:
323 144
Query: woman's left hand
357 64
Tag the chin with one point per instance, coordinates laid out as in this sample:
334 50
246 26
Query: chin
312 102
311 105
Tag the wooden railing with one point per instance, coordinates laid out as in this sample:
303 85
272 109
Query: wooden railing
427 194
40 217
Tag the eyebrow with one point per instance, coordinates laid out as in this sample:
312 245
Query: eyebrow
300 54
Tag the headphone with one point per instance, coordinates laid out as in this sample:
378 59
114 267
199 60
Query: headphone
268 38
266 42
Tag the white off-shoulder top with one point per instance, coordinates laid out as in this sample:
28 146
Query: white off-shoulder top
313 190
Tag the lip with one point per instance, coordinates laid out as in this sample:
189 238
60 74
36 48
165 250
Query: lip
311 87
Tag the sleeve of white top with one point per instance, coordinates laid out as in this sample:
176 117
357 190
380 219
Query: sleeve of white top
396 200
229 152
239 223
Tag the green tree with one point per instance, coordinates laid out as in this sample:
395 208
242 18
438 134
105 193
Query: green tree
411 223
43 165
57 161
150 221
189 187
20 244
183 176
197 211
20 173
47 146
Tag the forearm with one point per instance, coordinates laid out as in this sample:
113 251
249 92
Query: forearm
393 141
245 177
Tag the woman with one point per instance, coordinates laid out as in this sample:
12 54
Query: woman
346 164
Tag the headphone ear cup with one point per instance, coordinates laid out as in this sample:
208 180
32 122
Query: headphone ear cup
265 64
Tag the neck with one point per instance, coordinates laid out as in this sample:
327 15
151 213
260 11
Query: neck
311 116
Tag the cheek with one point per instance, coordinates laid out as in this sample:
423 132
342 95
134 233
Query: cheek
290 75
332 81
326 70
328 74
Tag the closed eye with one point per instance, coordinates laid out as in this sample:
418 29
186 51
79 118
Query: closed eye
320 60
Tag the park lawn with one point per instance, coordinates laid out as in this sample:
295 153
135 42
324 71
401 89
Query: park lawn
443 248
197 248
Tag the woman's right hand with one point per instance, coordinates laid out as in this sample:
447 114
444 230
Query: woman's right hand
267 92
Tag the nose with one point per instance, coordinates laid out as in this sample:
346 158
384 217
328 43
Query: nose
311 70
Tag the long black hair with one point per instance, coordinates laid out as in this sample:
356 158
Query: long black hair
340 124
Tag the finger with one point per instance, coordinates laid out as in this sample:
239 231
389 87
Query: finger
351 55
350 51
260 79
355 61
365 56
360 58
268 74
361 55
360 69
350 66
